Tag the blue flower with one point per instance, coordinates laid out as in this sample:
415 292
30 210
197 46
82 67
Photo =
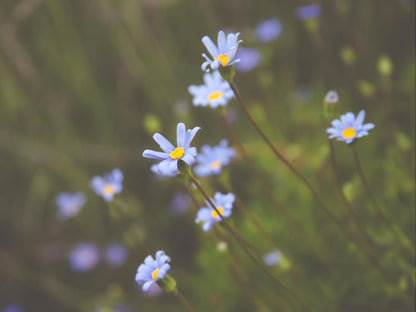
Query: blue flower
273 257
212 159
215 92
249 59
223 54
179 204
69 204
308 11
268 30
169 164
115 254
224 204
84 257
12 308
152 270
332 97
349 127
109 185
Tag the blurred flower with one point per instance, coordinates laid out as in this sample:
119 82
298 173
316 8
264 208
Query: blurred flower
215 92
152 270
212 159
179 203
224 54
308 11
154 291
224 204
349 127
170 155
69 204
84 257
332 97
222 246
12 308
109 185
249 59
268 30
115 254
273 257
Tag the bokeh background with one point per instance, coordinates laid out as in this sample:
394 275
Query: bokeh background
85 84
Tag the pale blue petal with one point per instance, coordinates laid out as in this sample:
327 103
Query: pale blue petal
155 155
211 47
164 143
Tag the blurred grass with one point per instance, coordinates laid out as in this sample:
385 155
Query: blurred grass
83 85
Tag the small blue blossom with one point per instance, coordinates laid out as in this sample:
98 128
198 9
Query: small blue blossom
349 127
272 258
224 204
214 92
212 159
84 257
69 204
308 11
268 30
115 254
179 204
152 270
169 157
332 97
108 185
223 54
249 59
12 308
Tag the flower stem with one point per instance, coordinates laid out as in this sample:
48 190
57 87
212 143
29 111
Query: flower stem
185 302
245 246
404 241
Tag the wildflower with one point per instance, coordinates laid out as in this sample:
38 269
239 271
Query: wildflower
109 185
249 59
308 11
272 258
115 254
349 127
224 54
179 204
12 308
214 92
69 204
84 257
212 159
170 155
224 204
332 97
152 270
268 30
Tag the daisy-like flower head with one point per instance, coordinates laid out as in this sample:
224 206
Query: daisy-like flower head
223 54
224 204
152 270
84 257
212 159
308 12
214 92
349 127
268 30
171 154
108 185
69 205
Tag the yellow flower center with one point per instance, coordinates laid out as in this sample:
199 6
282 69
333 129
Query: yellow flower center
223 58
108 190
215 165
177 153
154 274
215 95
348 133
215 214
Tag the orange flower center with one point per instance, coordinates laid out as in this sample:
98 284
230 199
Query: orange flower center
215 214
215 165
348 133
215 95
108 190
223 58
154 274
177 153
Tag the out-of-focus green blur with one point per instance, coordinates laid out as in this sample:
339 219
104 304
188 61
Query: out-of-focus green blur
85 84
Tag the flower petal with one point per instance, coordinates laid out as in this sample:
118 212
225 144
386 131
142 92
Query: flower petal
155 155
211 47
164 143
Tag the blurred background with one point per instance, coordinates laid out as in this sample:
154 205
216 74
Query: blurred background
85 84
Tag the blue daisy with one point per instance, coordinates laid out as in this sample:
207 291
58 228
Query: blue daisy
212 159
223 54
214 92
170 155
224 204
69 205
349 127
152 270
108 185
